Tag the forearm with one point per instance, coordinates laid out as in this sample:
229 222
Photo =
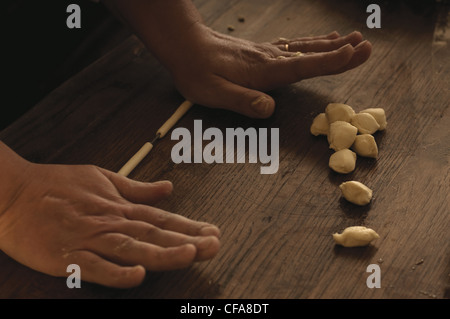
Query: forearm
217 70
164 26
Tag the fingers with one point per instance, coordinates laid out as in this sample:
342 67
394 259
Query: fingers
139 192
290 70
124 250
325 45
224 94
206 246
332 35
157 227
320 56
170 221
362 53
96 269
320 44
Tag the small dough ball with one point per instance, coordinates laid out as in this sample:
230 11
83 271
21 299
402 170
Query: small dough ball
319 125
356 192
365 145
343 161
379 115
365 123
355 236
341 135
339 112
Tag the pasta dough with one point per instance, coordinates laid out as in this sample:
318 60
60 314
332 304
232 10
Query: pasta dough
343 161
355 236
356 192
341 135
319 125
339 112
379 115
365 123
365 145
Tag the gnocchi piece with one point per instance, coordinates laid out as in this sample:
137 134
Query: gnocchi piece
365 123
365 146
379 115
339 112
356 192
341 135
355 236
319 125
343 161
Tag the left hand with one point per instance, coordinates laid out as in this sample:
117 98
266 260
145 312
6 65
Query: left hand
221 71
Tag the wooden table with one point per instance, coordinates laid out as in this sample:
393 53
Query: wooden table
276 229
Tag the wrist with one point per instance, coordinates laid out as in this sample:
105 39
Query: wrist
13 172
184 51
167 28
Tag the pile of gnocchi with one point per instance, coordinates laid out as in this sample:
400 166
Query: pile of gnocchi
350 134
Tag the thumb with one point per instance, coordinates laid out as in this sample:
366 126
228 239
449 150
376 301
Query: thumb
245 101
139 192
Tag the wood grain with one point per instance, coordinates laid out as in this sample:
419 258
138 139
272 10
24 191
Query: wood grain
276 229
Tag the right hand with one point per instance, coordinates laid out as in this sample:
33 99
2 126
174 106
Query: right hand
58 215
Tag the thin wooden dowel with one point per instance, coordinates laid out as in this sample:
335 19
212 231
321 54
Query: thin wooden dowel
176 116
147 147
136 159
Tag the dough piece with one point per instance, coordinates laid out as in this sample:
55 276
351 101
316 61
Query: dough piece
379 115
365 145
339 112
343 161
355 236
365 123
341 135
319 125
356 192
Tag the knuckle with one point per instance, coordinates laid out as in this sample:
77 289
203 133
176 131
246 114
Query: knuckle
162 218
150 231
123 245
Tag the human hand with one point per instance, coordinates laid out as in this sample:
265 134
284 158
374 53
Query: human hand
99 220
222 71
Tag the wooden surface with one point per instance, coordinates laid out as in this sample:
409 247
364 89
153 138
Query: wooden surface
276 229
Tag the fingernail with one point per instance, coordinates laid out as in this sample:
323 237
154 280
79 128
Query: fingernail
205 242
166 186
210 231
345 47
159 183
261 105
361 44
333 34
